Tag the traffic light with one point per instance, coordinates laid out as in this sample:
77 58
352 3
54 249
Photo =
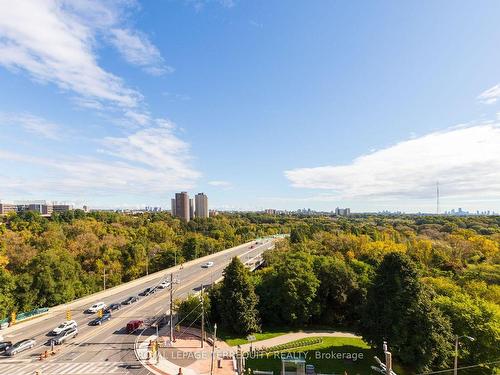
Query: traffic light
13 317
99 313
68 314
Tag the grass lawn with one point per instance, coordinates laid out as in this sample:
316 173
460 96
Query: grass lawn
357 357
268 333
233 340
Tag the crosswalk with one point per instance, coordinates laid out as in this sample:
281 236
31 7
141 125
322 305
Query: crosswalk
64 368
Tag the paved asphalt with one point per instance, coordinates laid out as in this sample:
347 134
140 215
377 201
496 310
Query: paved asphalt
108 349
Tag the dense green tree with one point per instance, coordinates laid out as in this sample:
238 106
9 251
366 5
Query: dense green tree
477 318
190 309
287 290
237 301
338 292
7 288
399 310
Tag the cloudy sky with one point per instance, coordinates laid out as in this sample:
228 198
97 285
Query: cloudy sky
313 104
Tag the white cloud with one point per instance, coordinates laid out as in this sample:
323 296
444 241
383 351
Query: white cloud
151 160
221 184
136 48
491 95
32 124
52 43
465 161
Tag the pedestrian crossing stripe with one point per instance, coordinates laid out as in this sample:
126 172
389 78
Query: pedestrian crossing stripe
63 368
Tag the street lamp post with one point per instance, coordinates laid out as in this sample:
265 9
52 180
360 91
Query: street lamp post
457 339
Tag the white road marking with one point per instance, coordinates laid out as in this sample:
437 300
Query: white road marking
64 368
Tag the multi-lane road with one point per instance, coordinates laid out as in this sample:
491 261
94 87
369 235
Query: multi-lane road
108 349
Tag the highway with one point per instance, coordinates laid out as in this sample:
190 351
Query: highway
108 349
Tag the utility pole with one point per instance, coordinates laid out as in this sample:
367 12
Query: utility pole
455 364
104 280
202 318
388 359
457 339
213 349
171 307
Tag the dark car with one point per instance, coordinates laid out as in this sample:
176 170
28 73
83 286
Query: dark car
130 300
113 307
98 321
4 345
146 292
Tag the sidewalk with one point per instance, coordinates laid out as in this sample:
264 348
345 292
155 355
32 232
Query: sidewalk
292 336
187 356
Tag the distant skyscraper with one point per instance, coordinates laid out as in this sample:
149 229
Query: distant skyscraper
191 208
172 202
182 206
201 202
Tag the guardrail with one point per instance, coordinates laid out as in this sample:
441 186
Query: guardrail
5 323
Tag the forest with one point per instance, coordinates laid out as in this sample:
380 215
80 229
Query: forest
49 261
416 281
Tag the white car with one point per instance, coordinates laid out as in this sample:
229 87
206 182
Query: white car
164 284
63 327
63 336
96 307
207 265
20 346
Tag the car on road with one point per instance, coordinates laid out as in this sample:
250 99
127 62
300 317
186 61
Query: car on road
98 321
164 284
113 307
63 327
134 324
20 346
147 292
96 307
64 335
4 345
130 300
207 265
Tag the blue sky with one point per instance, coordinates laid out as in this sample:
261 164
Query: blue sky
257 103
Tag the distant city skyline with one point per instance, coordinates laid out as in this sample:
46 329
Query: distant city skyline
316 104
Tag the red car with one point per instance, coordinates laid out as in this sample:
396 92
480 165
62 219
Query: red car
133 325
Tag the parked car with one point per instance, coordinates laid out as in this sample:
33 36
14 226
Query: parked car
130 300
63 327
207 265
146 292
164 284
20 346
64 335
4 345
133 325
113 307
98 321
96 307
